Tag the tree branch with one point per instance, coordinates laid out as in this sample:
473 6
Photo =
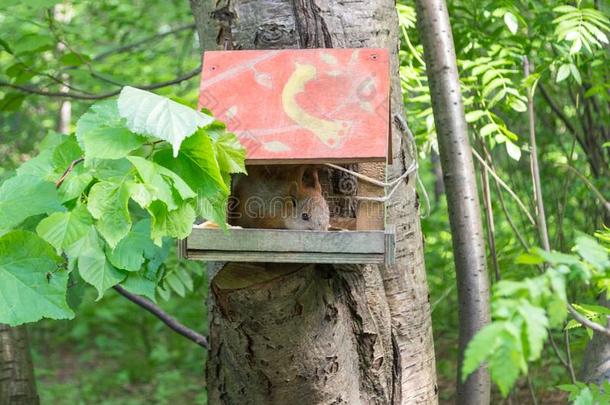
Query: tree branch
594 189
142 41
82 96
557 110
534 166
59 182
167 319
588 323
505 186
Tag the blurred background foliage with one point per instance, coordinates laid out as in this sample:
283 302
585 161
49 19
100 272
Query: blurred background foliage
116 353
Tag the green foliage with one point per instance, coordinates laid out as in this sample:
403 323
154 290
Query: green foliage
149 114
102 134
32 283
591 394
524 310
115 353
582 27
24 196
64 229
129 174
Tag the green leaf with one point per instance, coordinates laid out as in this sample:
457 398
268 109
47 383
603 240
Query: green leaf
137 283
150 114
35 4
93 266
575 73
513 150
504 363
4 45
473 116
230 153
130 253
511 22
11 101
177 223
563 72
564 9
63 229
557 305
585 397
489 128
554 257
108 203
162 182
594 253
31 285
102 133
74 59
480 348
535 328
110 169
197 165
529 258
174 282
31 43
24 196
185 278
66 152
517 105
74 184
42 166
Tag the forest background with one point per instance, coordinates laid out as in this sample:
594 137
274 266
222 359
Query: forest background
113 352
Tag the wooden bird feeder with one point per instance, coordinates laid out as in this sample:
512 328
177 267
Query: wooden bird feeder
314 107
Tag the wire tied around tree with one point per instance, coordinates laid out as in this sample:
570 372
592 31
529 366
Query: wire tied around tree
394 183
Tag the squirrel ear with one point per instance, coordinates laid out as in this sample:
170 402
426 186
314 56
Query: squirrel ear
300 174
316 180
293 193
293 189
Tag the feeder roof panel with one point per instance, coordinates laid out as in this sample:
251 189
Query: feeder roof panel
301 105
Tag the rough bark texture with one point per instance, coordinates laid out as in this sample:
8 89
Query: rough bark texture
596 361
460 182
317 334
17 383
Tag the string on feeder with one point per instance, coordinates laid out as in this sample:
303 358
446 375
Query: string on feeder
394 183
404 128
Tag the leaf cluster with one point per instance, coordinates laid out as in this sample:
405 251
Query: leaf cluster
102 205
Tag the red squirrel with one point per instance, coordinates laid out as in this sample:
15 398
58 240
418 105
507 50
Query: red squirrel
279 197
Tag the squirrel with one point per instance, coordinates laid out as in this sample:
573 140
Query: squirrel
279 197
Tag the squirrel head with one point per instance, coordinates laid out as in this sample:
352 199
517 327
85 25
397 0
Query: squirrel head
309 210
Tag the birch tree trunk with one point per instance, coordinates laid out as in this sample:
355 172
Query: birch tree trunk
17 383
317 334
460 182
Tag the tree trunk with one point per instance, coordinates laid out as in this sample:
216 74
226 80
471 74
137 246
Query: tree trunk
316 334
17 383
460 183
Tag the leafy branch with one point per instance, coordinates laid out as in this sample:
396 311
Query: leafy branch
100 96
167 319
76 196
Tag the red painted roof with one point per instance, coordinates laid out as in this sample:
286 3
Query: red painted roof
318 105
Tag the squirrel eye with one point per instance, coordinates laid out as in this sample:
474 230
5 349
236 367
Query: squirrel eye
293 201
305 216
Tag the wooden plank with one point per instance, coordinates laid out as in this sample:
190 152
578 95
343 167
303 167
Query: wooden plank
319 104
287 257
370 215
284 240
181 249
390 246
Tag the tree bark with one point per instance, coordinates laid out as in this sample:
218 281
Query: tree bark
315 334
17 382
460 183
